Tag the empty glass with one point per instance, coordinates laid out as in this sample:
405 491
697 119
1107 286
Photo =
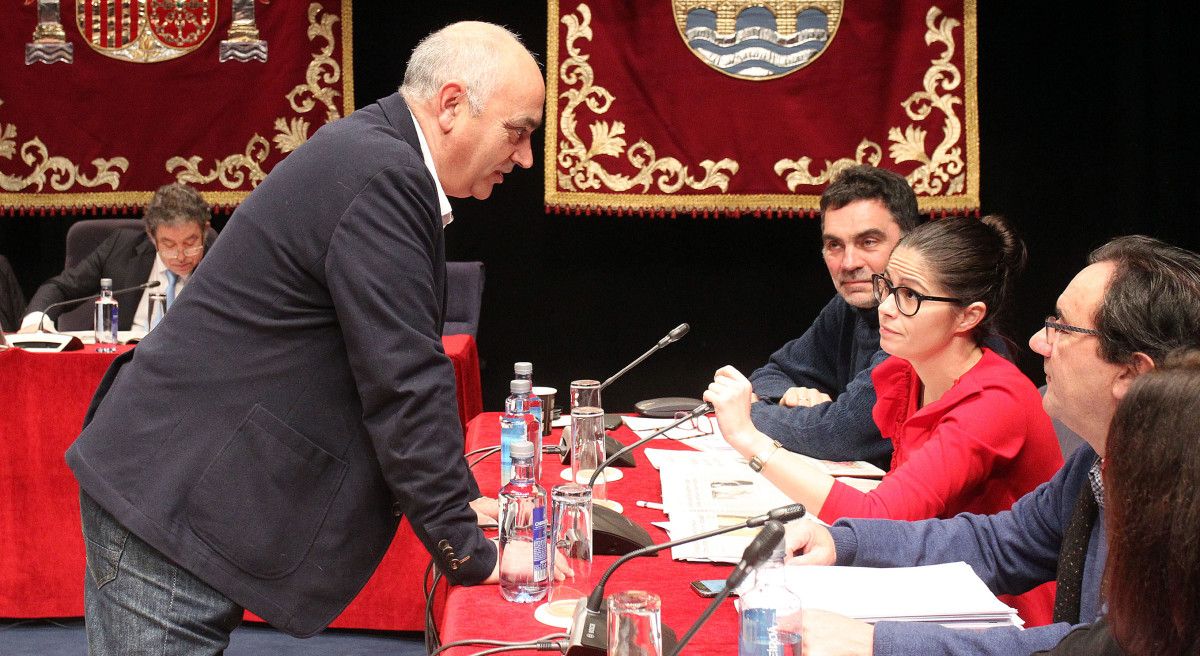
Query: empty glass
157 309
571 528
585 393
634 624
587 447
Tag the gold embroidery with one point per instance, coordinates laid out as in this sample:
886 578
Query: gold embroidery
233 170
958 194
290 135
868 153
60 172
934 175
579 165
315 74
229 169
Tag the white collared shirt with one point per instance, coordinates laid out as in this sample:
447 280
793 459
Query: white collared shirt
443 201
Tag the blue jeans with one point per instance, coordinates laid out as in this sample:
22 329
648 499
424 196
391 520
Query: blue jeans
138 602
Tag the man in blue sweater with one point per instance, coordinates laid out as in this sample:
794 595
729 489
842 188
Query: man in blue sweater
815 394
1138 300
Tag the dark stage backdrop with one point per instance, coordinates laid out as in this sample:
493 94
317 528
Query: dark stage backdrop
1085 134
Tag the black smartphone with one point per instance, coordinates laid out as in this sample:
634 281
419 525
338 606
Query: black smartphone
709 587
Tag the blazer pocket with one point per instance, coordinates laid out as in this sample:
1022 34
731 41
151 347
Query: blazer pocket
264 497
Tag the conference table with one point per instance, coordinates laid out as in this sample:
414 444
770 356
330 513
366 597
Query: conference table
43 399
480 612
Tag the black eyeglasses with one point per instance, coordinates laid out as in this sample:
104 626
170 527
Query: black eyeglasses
908 301
1054 327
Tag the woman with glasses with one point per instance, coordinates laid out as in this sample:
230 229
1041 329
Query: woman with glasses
967 426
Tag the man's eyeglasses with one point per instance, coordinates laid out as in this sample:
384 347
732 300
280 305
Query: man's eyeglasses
908 301
190 251
1054 326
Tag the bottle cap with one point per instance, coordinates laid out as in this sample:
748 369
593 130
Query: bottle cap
523 368
520 386
105 283
521 449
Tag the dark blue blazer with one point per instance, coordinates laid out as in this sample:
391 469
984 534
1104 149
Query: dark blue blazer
269 434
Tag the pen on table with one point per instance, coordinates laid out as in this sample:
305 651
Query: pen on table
649 504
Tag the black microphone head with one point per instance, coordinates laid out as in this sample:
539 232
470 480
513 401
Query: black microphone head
787 513
153 283
679 331
763 544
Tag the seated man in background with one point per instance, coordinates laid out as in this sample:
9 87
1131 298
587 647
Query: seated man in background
177 222
815 394
12 301
1102 337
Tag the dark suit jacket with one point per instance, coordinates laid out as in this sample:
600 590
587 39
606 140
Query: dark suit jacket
126 256
12 301
311 402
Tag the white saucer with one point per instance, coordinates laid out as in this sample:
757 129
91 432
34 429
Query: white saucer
556 613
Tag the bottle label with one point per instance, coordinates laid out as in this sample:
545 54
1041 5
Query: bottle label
757 638
541 571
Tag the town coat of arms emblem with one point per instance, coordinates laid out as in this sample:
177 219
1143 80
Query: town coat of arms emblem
757 39
145 30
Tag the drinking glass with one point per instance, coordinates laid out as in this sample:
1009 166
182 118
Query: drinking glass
571 531
587 447
585 393
634 624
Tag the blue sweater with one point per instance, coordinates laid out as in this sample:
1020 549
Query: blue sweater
1012 552
835 355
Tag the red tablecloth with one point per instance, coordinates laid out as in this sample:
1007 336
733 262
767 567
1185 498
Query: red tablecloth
43 399
480 611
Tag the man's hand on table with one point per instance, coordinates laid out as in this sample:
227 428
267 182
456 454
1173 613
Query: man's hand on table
522 553
809 543
803 397
828 634
487 511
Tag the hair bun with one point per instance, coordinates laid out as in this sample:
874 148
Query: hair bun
1013 255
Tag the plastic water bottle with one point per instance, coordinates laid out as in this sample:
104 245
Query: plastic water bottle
524 371
768 601
516 424
524 566
107 314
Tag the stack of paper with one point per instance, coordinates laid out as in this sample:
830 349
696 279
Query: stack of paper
949 594
706 491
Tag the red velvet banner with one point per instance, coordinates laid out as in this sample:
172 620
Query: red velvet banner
751 106
103 101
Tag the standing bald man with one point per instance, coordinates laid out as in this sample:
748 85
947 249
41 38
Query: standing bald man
311 402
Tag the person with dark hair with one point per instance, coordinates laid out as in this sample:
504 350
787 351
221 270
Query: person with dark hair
968 428
174 240
1118 319
12 300
814 395
1151 476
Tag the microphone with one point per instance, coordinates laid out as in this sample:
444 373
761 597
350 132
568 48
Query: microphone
611 444
135 288
613 533
670 338
702 409
589 627
759 549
